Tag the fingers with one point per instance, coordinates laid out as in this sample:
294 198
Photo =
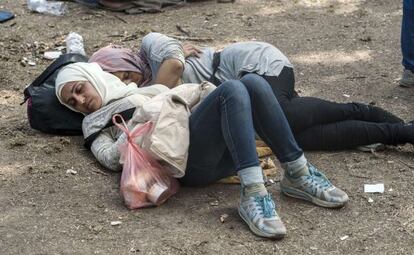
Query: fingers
191 50
195 53
198 49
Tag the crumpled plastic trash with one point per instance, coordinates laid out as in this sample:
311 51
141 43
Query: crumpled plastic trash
74 43
43 6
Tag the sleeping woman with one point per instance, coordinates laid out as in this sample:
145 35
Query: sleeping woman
317 124
221 134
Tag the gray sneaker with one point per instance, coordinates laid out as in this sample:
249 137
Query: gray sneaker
260 214
408 79
315 188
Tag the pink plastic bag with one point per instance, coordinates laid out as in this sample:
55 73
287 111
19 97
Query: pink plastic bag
144 182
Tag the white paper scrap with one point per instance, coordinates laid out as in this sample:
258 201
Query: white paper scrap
344 237
52 54
116 223
71 171
374 188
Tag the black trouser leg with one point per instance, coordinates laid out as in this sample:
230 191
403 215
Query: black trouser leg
306 112
352 133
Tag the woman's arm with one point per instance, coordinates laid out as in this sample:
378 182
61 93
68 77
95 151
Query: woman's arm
166 58
170 73
171 69
105 150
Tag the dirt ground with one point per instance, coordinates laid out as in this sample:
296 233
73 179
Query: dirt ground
344 50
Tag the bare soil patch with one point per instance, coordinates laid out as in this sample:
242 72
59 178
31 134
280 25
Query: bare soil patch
338 47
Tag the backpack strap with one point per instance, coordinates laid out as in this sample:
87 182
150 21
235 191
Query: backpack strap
127 114
63 60
216 63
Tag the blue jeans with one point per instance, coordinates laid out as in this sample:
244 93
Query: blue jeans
222 131
407 35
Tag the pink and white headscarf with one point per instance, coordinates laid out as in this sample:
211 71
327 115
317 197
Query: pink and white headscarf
114 58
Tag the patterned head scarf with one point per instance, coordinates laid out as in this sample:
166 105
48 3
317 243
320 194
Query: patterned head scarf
113 58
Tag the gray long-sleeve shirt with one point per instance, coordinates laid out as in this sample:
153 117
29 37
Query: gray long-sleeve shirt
236 59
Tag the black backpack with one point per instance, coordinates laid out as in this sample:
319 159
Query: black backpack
44 111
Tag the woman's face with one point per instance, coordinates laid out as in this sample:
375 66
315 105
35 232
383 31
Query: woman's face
127 77
82 96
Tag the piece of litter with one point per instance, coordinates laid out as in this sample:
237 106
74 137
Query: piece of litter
390 190
214 203
5 16
346 95
370 200
223 217
390 162
344 238
60 48
47 7
52 54
31 63
313 248
374 188
97 228
71 171
116 223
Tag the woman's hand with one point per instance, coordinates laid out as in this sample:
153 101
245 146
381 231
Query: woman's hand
191 50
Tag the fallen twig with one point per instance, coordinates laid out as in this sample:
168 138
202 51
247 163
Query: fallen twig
182 30
116 35
121 19
355 77
405 163
100 172
188 38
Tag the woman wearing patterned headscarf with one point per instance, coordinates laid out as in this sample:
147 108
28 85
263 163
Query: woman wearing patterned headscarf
317 124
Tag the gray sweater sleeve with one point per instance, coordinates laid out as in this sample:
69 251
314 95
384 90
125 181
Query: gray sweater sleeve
105 150
159 47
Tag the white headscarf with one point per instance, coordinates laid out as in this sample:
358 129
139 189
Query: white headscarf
108 86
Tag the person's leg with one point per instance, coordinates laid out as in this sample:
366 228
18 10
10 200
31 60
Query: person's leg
350 134
407 43
407 35
222 141
300 179
306 112
221 136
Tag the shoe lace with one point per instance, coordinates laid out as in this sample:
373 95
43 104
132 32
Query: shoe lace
317 178
266 205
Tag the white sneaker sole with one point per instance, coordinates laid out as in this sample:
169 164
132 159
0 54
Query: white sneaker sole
257 231
296 193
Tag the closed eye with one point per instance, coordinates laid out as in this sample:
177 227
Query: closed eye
79 88
71 102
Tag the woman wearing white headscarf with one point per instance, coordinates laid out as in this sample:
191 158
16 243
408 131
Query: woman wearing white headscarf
85 88
221 139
